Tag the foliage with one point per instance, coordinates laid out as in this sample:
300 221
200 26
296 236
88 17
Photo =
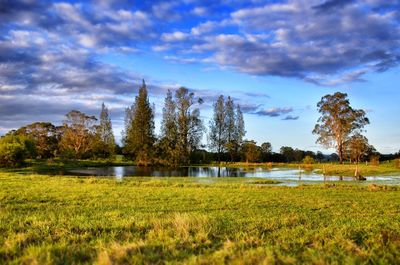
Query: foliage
227 128
184 221
78 135
105 146
251 151
44 135
140 138
266 148
232 127
189 125
337 122
240 130
168 143
308 160
218 136
181 129
358 148
14 149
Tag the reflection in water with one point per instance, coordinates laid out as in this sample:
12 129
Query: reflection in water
281 174
119 173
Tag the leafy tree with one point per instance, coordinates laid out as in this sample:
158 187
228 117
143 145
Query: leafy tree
78 135
288 153
320 156
14 149
230 124
140 138
189 125
240 131
218 136
358 148
106 142
45 137
266 151
337 122
169 133
251 151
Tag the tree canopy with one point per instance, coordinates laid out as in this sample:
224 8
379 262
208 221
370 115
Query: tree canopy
338 121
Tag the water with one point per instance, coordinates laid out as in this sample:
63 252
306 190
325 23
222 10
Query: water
287 176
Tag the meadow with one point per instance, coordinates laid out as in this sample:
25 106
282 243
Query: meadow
74 220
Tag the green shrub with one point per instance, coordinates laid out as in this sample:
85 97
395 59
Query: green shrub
14 149
308 160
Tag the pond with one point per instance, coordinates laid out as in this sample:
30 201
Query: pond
288 176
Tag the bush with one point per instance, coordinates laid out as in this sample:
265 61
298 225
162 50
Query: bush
397 162
374 160
308 160
14 149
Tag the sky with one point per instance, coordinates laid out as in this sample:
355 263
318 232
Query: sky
274 58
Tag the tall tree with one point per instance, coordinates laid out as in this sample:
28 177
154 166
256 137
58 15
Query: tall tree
337 122
106 141
139 138
230 124
189 125
218 128
240 131
169 132
78 134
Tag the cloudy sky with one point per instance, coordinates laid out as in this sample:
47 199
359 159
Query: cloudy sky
275 58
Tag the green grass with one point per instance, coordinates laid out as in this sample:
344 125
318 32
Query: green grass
60 166
71 220
330 169
385 168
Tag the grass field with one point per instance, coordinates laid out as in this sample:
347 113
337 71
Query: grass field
70 220
333 169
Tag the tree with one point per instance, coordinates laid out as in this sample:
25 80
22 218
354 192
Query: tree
230 124
78 135
358 148
218 128
288 153
106 142
320 156
240 131
169 132
266 151
251 151
14 149
139 131
189 125
45 137
337 122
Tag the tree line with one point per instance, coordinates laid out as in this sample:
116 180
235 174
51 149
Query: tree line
179 142
85 137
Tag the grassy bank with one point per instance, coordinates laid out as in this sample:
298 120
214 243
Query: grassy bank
59 166
58 220
330 169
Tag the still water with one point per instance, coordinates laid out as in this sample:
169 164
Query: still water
286 175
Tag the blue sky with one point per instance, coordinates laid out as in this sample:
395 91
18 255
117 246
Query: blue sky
275 58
